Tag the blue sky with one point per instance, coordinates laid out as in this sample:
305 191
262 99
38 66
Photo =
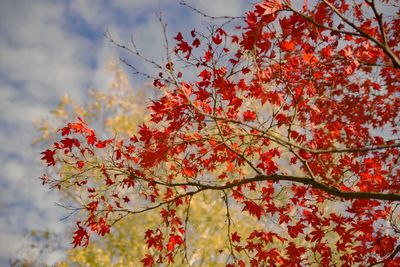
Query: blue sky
48 48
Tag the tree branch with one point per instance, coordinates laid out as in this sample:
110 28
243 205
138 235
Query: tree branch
302 180
183 3
274 137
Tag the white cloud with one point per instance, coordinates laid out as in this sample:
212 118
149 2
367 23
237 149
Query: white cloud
13 243
39 51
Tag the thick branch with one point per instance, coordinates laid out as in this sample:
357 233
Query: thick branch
302 180
349 150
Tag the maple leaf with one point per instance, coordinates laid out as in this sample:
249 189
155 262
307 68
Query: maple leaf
310 58
207 56
217 39
269 7
186 89
179 37
80 164
249 115
65 131
288 46
80 235
221 32
275 98
235 39
317 235
103 227
245 70
235 237
80 127
188 171
295 230
70 142
48 156
304 154
253 208
91 139
148 260
174 240
104 143
196 42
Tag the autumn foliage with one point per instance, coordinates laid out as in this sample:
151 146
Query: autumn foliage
293 117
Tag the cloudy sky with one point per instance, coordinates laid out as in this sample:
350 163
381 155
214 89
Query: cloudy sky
48 48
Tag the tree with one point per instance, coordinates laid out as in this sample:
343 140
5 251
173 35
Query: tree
292 119
119 110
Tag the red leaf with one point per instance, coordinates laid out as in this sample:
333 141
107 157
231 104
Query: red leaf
91 139
104 143
207 56
310 58
217 39
186 89
253 208
249 115
287 46
190 172
80 235
80 164
269 6
65 131
295 230
235 237
174 240
70 142
148 260
221 32
304 154
235 39
48 156
317 235
179 37
101 144
196 42
245 70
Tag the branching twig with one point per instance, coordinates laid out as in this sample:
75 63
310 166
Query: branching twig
183 3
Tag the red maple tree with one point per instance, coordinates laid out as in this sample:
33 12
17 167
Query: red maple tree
293 116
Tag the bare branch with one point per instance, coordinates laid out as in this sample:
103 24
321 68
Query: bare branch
183 3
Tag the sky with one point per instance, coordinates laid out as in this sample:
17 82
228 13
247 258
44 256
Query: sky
49 48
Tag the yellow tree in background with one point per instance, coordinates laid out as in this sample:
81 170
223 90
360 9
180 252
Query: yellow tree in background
120 110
